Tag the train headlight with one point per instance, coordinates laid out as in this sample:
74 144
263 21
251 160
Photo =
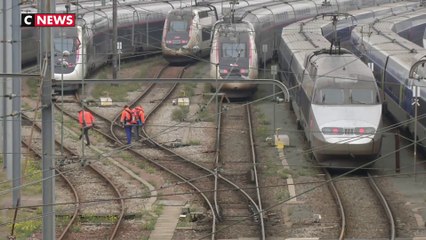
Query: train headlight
243 71
365 131
223 71
332 130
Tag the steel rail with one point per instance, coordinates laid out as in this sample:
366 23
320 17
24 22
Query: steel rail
384 203
256 177
245 194
112 138
65 178
338 200
103 176
217 158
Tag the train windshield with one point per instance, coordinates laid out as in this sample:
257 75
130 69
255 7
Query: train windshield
178 26
362 96
329 96
65 44
337 96
233 50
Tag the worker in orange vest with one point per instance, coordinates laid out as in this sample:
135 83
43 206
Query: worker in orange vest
140 119
127 120
87 121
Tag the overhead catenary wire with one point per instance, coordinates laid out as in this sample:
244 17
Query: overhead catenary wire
120 149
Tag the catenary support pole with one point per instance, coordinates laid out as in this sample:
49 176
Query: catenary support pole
48 186
11 91
16 99
2 85
6 86
114 39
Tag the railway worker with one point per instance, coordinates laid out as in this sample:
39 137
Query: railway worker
126 120
139 113
87 121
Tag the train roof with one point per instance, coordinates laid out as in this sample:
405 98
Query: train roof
222 7
380 41
346 67
102 17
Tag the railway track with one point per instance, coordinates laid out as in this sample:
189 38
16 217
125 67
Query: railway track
110 129
240 209
79 181
363 208
199 176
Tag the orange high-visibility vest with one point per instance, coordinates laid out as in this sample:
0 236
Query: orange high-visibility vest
85 118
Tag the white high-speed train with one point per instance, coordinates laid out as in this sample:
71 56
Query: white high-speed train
81 49
334 94
30 36
254 36
399 66
187 31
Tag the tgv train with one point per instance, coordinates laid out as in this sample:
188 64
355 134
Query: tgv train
89 45
29 36
334 96
186 33
399 66
79 50
238 47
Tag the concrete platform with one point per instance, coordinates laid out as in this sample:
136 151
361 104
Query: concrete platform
167 222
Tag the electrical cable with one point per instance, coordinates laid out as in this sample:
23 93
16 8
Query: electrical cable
120 149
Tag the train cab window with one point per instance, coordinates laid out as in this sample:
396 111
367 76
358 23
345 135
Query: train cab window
64 44
233 50
178 26
362 96
329 96
203 14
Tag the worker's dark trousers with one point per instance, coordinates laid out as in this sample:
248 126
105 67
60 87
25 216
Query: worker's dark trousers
128 129
86 135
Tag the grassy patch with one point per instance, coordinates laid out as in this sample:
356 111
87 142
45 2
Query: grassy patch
180 114
76 228
98 219
284 173
159 208
261 118
262 131
33 173
33 84
150 218
282 195
188 89
150 170
148 65
202 70
194 142
25 229
204 115
306 171
118 93
269 168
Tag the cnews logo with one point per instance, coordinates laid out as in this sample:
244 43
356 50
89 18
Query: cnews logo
47 20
